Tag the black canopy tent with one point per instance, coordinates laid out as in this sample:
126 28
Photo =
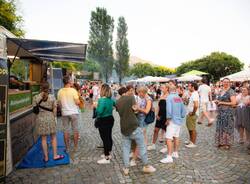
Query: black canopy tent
46 50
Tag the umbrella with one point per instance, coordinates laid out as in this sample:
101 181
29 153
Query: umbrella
239 76
189 78
194 72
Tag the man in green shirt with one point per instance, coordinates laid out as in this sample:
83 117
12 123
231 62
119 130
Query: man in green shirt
130 130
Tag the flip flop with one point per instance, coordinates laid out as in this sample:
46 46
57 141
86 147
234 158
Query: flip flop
59 157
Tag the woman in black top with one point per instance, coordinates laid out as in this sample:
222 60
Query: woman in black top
161 116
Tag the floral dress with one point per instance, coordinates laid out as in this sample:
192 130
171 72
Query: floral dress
45 120
225 120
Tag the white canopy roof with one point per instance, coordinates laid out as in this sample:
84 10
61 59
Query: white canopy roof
189 78
239 76
151 79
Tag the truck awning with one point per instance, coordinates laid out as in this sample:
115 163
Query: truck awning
46 50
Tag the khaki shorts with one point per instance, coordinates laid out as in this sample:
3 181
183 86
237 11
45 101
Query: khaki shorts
203 107
70 119
191 122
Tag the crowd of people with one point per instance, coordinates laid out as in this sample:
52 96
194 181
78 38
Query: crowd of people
192 103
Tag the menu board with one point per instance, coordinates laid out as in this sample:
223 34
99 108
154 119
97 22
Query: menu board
4 78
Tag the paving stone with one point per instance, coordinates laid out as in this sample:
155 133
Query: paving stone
204 164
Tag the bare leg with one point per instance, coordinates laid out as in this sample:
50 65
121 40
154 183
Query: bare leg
193 136
176 144
66 140
155 136
200 119
162 134
241 132
76 135
169 145
205 113
45 147
54 145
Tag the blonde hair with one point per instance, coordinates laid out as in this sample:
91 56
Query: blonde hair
105 91
142 89
165 85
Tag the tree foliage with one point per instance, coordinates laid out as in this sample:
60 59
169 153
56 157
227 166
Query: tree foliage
9 17
68 65
217 64
91 66
145 69
122 50
100 40
18 68
161 71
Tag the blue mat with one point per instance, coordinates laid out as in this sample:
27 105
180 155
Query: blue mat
34 157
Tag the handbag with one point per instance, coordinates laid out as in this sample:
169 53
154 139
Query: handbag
81 105
58 111
36 107
150 117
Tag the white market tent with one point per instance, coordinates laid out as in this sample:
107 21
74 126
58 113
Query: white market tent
150 79
239 76
188 78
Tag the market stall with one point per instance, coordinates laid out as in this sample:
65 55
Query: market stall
19 93
239 76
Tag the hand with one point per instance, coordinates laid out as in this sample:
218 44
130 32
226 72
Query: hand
94 104
191 114
167 122
157 117
135 107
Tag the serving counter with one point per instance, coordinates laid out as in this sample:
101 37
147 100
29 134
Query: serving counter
22 124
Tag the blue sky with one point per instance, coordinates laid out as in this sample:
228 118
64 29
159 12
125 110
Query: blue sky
167 32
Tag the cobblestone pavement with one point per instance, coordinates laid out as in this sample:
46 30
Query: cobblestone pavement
204 164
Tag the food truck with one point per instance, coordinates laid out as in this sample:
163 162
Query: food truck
17 123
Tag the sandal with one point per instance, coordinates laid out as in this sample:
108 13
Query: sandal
59 157
45 161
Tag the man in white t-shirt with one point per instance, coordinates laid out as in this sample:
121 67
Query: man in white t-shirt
205 98
192 114
69 100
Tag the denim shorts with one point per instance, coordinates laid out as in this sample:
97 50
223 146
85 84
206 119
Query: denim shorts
141 120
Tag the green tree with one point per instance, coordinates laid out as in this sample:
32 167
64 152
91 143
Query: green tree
68 65
122 54
142 69
162 71
217 64
9 17
18 68
91 66
100 40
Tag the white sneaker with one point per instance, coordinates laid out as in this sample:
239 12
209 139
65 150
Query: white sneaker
103 161
103 156
175 155
186 142
148 169
132 163
125 171
190 145
151 147
166 160
164 150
